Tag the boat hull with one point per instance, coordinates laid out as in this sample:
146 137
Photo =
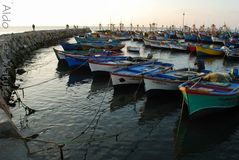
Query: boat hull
200 104
201 51
79 62
121 79
102 67
151 83
107 47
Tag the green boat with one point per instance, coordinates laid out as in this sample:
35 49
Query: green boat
205 97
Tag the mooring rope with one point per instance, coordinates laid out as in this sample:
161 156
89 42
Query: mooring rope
91 122
51 79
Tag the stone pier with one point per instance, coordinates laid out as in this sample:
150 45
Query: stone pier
14 49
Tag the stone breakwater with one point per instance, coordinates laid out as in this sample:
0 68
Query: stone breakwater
14 49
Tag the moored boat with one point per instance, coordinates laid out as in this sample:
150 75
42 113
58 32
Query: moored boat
82 61
231 53
100 45
61 54
71 46
210 50
167 83
133 75
109 65
180 45
205 97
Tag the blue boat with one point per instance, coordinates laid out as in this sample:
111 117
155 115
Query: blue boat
205 38
71 46
82 61
94 39
190 37
133 75
61 54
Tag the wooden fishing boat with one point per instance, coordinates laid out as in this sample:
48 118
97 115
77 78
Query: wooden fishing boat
161 44
133 49
61 54
231 53
94 39
157 82
100 45
81 60
204 37
109 65
179 45
191 37
210 50
133 75
205 97
71 46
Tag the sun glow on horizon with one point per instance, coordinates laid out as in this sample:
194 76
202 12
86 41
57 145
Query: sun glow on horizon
141 12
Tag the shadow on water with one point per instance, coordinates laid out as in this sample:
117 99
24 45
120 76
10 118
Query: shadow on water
79 76
158 107
62 69
197 136
76 75
122 98
100 82
229 63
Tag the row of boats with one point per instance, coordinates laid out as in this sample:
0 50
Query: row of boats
228 49
158 78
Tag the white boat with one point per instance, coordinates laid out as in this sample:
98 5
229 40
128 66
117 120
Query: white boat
180 45
133 48
104 65
168 82
147 41
134 74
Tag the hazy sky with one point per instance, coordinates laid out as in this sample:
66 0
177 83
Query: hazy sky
142 12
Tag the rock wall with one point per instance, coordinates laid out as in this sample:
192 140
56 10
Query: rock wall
14 49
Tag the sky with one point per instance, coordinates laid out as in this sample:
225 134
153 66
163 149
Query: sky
141 12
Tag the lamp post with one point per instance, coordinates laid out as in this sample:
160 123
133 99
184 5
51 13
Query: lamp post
183 20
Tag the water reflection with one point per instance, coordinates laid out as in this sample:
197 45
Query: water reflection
100 82
79 76
195 137
158 107
62 69
123 98
230 63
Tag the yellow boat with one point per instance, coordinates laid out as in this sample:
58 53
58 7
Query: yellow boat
209 50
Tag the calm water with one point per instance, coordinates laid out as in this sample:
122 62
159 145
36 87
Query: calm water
83 112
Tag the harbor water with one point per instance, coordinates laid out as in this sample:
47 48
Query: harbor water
83 112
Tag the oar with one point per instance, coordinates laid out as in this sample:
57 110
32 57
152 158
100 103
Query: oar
199 79
235 89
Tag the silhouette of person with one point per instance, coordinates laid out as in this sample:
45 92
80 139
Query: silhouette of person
200 64
67 26
33 27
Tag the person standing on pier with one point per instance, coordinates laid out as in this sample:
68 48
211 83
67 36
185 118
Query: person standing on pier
33 27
